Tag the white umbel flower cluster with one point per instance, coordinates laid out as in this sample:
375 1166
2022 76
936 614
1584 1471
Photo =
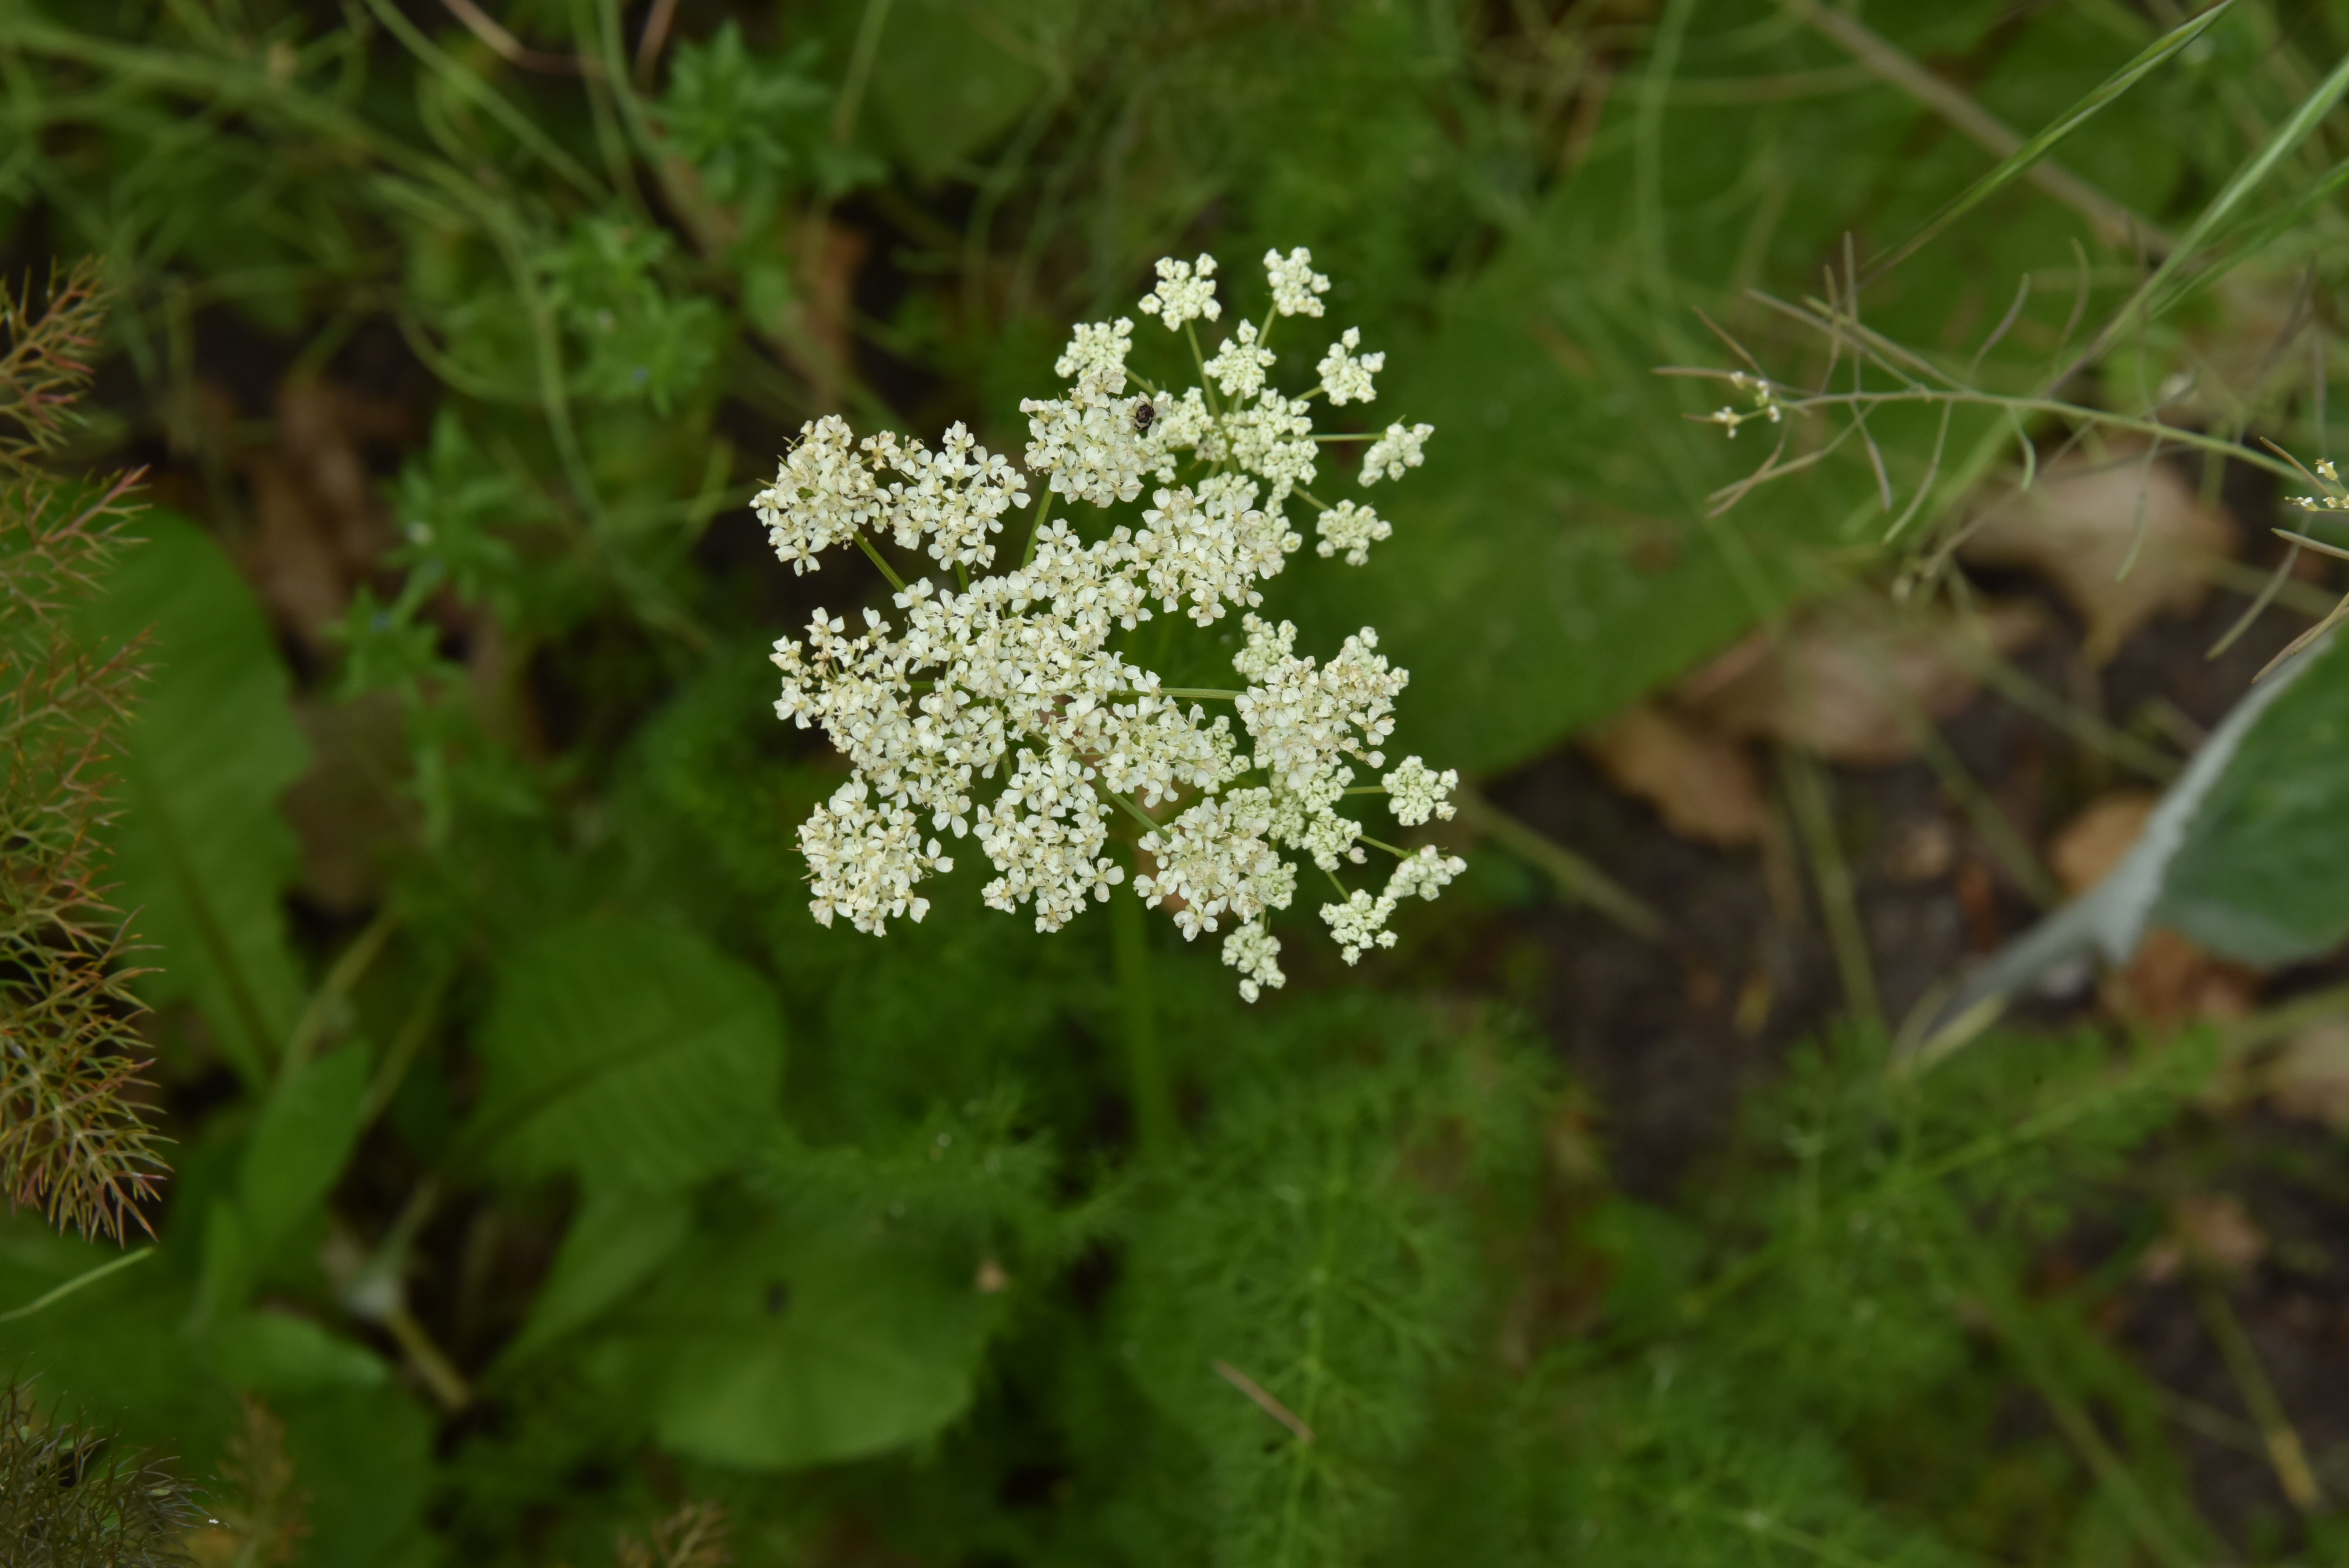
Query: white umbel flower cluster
1006 705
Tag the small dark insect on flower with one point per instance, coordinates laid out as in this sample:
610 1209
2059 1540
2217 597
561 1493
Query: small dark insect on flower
1145 413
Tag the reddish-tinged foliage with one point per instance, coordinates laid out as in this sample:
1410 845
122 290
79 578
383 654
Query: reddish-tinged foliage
71 1144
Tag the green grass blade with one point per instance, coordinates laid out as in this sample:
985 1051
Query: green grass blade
2019 163
2161 287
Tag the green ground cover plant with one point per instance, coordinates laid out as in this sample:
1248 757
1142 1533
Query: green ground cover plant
459 1100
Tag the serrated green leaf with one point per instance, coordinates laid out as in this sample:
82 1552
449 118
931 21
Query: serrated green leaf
203 855
631 1054
778 1346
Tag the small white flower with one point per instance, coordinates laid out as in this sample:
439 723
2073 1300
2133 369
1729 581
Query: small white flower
1396 450
1097 349
1239 364
1415 792
1358 925
1274 439
862 862
1295 284
1087 444
1425 874
1186 292
1352 528
822 495
1254 952
1345 376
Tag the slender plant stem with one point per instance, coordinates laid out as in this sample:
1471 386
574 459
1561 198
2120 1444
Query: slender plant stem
88 1276
867 545
1044 510
1806 793
1147 1078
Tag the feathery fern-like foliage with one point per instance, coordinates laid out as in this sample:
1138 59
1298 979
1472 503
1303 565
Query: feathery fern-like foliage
73 1496
71 1143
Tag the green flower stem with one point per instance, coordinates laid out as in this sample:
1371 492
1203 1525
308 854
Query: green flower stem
1206 382
1365 838
1044 510
1132 810
867 545
1146 1076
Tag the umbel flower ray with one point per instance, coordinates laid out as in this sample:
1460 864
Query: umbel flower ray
1005 707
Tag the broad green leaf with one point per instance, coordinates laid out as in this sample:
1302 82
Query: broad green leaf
781 1346
632 1054
276 1353
365 1458
615 1240
298 1150
2260 875
112 1347
2243 855
950 76
202 856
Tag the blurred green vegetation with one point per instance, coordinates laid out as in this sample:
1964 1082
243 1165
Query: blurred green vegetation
542 1167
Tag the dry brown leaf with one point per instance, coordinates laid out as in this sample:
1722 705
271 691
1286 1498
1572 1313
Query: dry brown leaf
2212 1232
2170 983
264 1523
1919 849
351 809
1700 781
1850 688
2309 1078
2085 849
2077 524
319 521
818 327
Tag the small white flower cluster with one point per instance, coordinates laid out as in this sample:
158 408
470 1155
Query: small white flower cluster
830 491
1345 376
1010 684
1766 405
1396 450
2335 497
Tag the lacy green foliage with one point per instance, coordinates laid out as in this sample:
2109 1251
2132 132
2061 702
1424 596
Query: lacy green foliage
73 1496
1314 1273
71 1145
